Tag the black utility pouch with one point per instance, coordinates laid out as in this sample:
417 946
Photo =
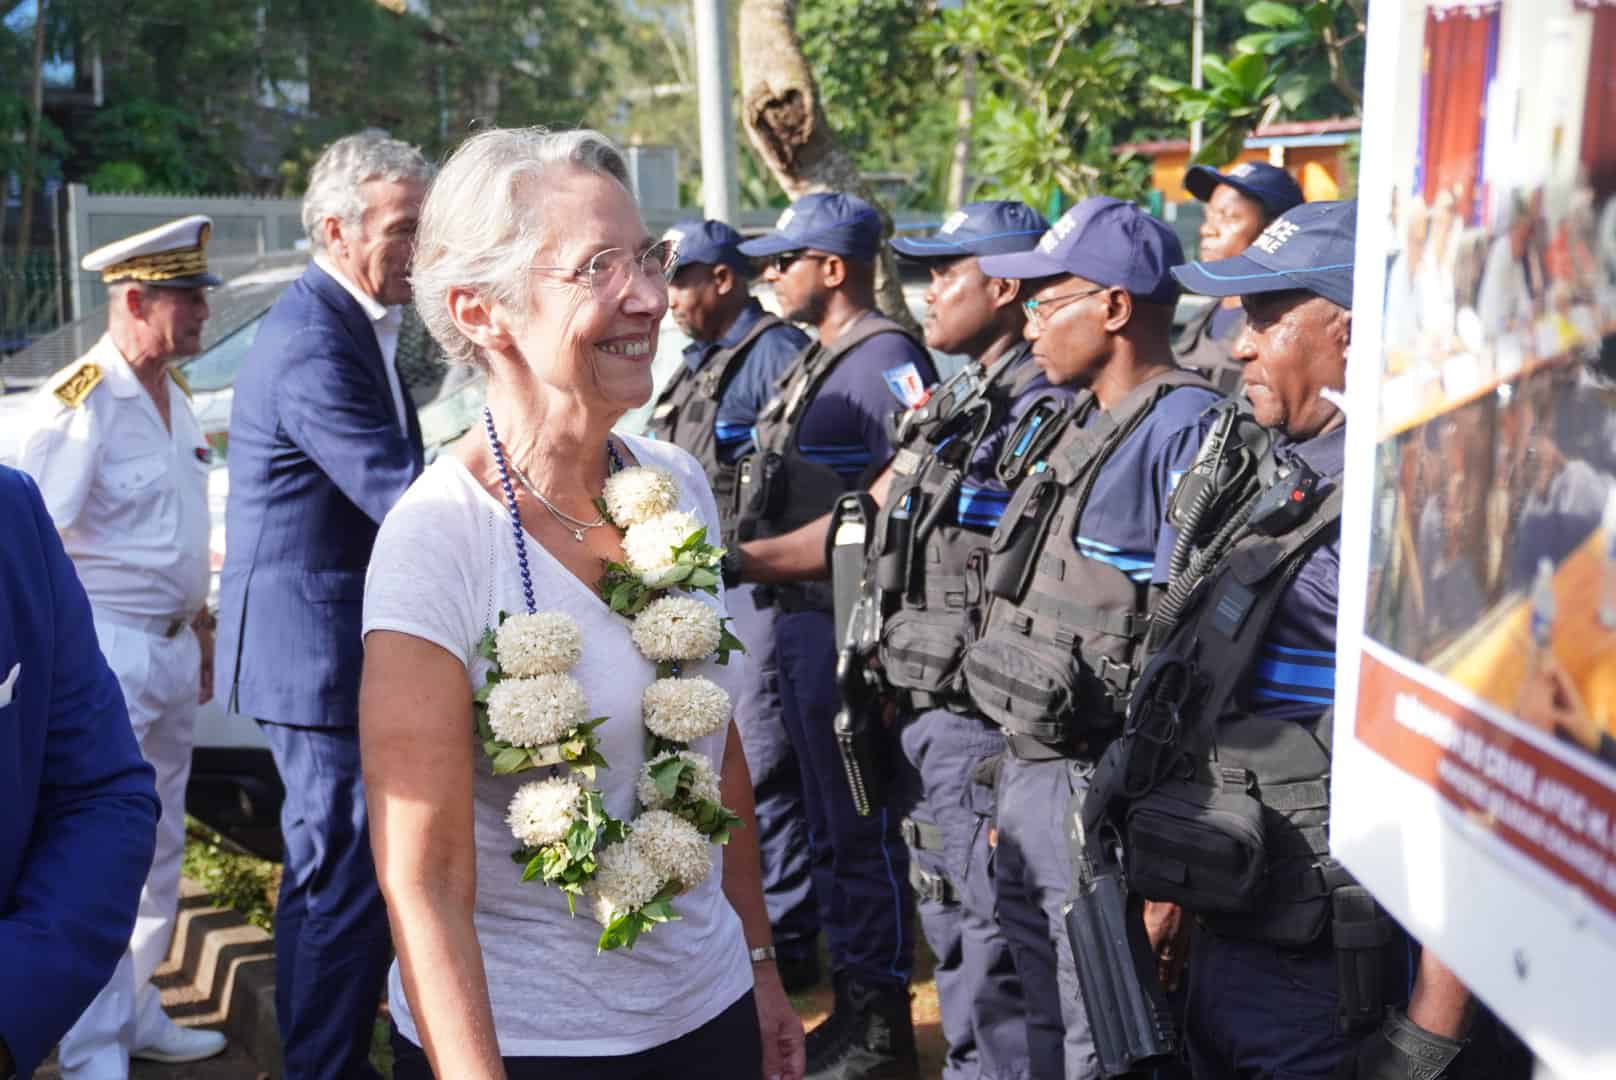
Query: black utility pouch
921 650
1026 687
1196 845
1360 931
759 490
1019 536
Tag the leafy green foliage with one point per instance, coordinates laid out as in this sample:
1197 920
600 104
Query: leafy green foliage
695 569
1304 58
232 878
625 929
570 863
1061 82
674 779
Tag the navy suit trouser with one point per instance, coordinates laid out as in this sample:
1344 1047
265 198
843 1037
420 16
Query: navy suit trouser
860 864
788 883
1032 876
332 946
978 990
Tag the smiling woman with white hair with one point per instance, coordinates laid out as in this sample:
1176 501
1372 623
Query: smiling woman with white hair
533 263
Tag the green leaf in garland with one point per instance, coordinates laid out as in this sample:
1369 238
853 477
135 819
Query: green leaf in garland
509 760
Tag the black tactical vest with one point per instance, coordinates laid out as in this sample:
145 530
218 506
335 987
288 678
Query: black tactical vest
1056 659
778 488
1238 830
921 563
687 410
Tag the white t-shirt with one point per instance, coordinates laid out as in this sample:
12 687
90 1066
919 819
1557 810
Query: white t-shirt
443 568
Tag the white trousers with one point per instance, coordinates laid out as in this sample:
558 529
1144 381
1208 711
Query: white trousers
159 678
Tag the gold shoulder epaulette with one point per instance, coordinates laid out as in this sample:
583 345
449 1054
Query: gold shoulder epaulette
180 381
77 382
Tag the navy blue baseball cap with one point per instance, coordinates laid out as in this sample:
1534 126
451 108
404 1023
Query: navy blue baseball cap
1308 247
1270 185
992 227
708 243
828 221
1107 241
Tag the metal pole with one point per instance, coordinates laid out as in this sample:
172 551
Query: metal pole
720 190
1197 24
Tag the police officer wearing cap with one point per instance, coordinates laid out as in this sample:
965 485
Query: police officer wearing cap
1243 669
1068 574
737 352
920 572
1239 205
821 435
122 466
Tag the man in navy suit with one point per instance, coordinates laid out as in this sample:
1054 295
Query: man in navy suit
323 441
78 804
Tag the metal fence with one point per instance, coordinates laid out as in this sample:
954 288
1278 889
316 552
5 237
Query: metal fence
33 298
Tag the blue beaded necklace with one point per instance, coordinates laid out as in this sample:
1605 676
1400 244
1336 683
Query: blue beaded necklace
614 465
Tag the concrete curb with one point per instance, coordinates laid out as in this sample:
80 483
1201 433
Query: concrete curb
227 967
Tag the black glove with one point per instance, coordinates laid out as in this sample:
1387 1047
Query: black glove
1400 1050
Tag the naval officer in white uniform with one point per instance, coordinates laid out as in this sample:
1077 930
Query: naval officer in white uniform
122 465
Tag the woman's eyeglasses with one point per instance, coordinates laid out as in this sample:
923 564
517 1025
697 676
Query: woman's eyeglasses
607 272
1038 311
783 261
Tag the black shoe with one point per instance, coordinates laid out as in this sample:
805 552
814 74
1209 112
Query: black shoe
828 1031
874 1039
798 972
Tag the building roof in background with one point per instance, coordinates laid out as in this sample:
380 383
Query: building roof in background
1289 133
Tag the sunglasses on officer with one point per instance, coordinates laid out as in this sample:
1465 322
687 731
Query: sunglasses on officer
782 261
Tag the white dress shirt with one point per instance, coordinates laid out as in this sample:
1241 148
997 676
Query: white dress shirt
385 321
128 495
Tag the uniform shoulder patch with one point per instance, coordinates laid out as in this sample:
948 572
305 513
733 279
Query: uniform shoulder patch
180 381
906 384
75 384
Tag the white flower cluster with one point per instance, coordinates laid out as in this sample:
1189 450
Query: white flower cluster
541 812
677 628
648 546
683 710
538 711
624 880
541 643
673 847
639 494
704 784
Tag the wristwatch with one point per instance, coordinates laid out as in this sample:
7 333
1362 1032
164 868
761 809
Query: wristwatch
729 568
762 954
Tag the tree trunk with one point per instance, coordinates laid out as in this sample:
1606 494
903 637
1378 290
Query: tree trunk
30 163
786 126
959 162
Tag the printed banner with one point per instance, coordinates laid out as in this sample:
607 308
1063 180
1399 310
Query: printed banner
1475 785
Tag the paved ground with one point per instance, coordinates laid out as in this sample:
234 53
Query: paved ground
235 1064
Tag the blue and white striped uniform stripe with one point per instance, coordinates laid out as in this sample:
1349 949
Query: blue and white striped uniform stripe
1287 674
1138 565
734 440
981 507
848 459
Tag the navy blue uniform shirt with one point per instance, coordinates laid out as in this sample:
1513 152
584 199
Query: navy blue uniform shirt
846 425
1294 675
982 496
78 809
754 384
1124 523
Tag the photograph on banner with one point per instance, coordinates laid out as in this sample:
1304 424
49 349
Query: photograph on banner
1488 667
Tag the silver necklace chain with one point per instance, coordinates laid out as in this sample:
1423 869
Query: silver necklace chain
576 525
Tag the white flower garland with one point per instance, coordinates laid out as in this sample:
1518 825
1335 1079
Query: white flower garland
532 714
